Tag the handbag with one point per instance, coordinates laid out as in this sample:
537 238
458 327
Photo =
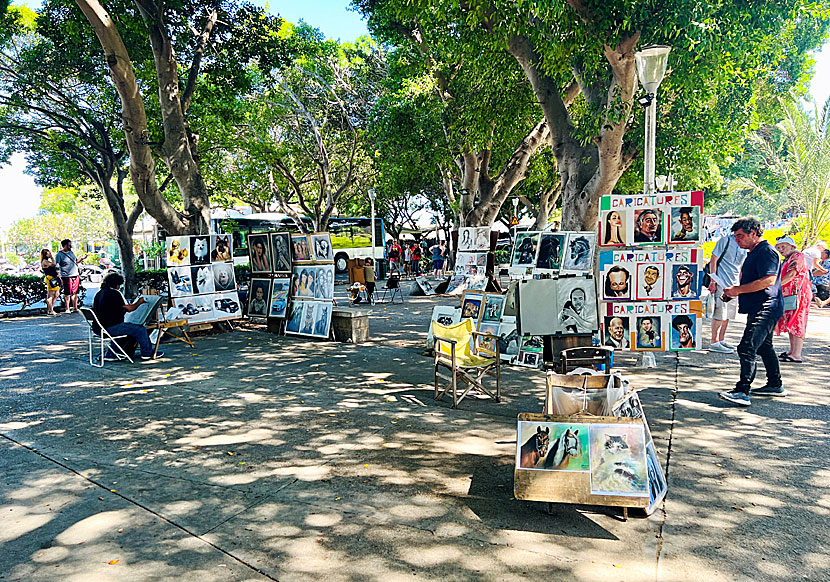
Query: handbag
705 279
791 301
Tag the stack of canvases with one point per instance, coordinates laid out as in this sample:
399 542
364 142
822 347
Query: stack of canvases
651 277
201 278
470 260
300 286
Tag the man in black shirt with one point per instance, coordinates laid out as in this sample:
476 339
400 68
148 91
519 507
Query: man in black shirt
759 296
110 306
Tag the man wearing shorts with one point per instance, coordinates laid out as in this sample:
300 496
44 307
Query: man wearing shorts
727 258
70 276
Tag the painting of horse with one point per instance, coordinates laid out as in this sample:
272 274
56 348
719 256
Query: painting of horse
534 449
553 446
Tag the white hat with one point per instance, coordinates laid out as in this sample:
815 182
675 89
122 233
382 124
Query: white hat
821 243
785 239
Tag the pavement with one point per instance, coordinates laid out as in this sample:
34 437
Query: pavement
259 457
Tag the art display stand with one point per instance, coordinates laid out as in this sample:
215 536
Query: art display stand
584 449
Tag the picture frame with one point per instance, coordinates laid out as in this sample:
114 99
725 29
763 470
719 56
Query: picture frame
493 307
280 291
320 247
281 252
300 250
578 257
509 340
259 253
613 446
549 252
200 250
310 281
221 248
472 303
259 292
309 318
567 446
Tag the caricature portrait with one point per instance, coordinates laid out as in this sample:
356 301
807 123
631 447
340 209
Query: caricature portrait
616 333
617 283
683 332
649 333
648 226
259 250
684 282
685 224
613 228
650 280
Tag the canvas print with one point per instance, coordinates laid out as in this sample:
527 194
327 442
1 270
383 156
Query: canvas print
226 305
613 226
617 283
445 315
552 446
524 249
549 252
199 250
576 303
311 318
457 285
657 485
196 308
616 332
650 281
471 305
537 306
321 318
475 238
313 281
685 224
631 407
294 316
493 303
178 251
258 293
321 250
684 281
202 277
510 305
280 252
324 288
220 248
579 252
279 297
259 250
299 248
492 329
648 227
649 333
618 460
508 338
223 277
179 281
463 260
683 331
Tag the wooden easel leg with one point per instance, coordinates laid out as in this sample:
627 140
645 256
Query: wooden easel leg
625 514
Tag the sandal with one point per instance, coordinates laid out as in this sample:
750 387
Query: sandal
783 355
789 358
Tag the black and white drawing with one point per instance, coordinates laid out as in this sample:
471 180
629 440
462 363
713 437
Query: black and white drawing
226 305
179 281
202 278
223 277
281 252
576 304
579 252
259 292
321 250
199 250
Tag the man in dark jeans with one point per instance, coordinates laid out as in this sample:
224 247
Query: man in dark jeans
110 306
759 296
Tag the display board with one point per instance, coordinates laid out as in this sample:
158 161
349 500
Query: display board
470 260
650 253
552 253
311 290
560 306
201 278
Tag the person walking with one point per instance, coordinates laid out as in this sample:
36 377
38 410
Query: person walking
52 280
70 275
795 281
438 260
725 264
416 260
759 296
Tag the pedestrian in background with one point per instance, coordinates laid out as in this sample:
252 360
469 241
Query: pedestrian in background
797 291
759 296
369 278
821 280
70 275
52 280
725 264
416 260
438 260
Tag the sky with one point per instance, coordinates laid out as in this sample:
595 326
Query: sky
21 197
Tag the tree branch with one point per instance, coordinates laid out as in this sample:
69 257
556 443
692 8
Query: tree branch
201 44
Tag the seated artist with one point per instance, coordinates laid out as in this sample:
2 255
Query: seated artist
110 306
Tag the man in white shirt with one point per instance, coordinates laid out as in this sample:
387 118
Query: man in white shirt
813 255
727 258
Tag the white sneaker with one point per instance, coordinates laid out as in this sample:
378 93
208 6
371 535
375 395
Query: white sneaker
727 345
720 348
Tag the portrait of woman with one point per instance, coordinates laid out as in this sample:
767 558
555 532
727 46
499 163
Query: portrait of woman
260 254
613 228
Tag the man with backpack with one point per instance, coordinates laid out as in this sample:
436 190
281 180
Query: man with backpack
727 258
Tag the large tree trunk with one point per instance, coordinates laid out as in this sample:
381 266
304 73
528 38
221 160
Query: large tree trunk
142 165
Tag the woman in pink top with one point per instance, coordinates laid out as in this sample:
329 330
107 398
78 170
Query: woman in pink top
795 280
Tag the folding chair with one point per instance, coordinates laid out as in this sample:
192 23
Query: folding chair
97 333
391 287
466 364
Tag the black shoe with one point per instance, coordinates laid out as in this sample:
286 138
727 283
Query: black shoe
768 391
735 397
112 359
159 356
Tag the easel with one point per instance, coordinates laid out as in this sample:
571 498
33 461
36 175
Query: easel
163 326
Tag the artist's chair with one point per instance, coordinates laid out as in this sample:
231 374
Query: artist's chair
469 356
98 336
390 288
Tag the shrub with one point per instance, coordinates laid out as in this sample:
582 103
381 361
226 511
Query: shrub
25 289
155 279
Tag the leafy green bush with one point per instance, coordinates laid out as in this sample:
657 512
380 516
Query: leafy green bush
25 289
155 279
242 273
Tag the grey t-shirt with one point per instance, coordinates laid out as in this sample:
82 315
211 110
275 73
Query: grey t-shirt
67 263
729 264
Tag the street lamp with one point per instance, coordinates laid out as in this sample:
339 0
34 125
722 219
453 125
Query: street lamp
372 197
651 68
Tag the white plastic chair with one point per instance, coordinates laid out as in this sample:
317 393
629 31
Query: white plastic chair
96 333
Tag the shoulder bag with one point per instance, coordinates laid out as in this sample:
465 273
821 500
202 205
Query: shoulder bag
791 301
706 280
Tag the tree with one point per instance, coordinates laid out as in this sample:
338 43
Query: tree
801 162
720 51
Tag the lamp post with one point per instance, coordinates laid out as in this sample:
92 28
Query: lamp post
651 68
372 197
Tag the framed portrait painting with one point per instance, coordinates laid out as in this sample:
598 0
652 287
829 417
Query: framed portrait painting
321 250
281 252
259 291
259 252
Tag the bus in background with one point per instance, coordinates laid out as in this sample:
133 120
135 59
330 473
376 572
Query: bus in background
351 237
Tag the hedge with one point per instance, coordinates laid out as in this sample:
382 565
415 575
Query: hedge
25 289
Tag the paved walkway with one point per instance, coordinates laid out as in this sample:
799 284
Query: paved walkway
255 457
